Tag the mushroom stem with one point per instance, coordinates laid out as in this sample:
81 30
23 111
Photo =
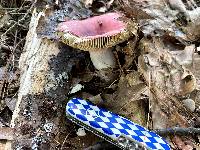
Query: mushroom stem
103 59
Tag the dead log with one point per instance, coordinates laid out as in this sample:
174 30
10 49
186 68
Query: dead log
39 116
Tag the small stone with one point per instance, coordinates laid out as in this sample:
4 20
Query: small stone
189 104
81 132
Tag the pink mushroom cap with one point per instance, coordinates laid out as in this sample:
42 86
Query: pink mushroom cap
97 35
94 27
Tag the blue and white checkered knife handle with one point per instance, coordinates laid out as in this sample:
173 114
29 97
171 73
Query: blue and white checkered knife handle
112 127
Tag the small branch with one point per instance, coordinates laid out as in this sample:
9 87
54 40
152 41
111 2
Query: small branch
178 131
23 18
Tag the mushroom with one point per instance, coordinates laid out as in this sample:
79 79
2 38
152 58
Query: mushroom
98 35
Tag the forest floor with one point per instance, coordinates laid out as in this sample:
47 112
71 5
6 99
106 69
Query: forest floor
156 82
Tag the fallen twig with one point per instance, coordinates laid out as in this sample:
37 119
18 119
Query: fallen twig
178 131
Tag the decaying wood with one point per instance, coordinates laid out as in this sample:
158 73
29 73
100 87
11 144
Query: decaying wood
42 94
2 89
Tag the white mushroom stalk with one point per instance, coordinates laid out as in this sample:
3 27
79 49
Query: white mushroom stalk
102 59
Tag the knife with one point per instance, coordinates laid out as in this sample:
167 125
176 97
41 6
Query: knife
112 127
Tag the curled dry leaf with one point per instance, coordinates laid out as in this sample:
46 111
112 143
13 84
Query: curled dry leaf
187 83
185 57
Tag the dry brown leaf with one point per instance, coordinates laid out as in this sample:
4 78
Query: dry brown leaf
188 83
192 30
167 80
166 72
168 16
185 57
127 99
